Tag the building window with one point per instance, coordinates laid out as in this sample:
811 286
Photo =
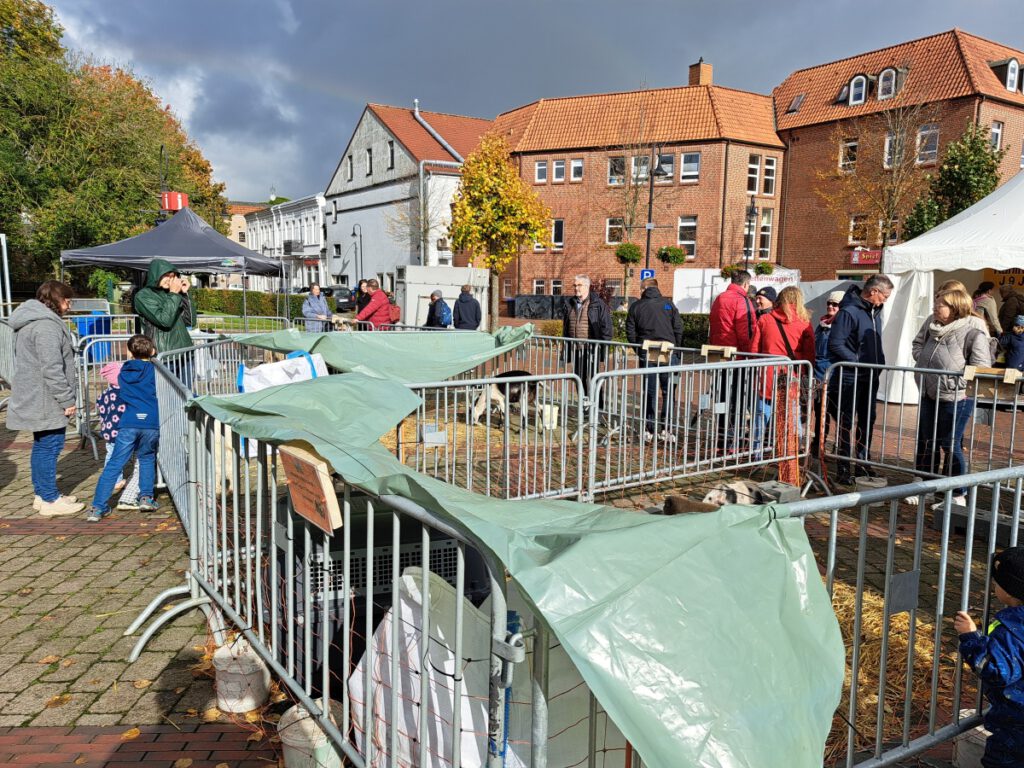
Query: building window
613 229
688 235
556 287
769 176
858 90
576 170
927 144
558 171
668 165
1012 75
506 287
795 104
538 286
557 234
540 172
892 236
641 166
348 174
848 155
753 173
337 249
613 287
995 137
887 84
858 230
241 236
369 161
616 171
391 155
893 154
764 245
689 171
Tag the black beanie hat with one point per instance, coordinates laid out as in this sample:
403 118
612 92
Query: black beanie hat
1008 571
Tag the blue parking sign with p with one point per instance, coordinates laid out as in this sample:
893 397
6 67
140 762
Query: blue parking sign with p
646 274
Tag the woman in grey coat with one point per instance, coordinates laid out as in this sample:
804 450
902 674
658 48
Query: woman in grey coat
43 390
316 311
952 342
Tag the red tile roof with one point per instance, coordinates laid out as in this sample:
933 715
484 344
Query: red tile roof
658 116
240 209
940 67
462 133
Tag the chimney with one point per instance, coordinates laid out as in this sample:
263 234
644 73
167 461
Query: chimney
700 73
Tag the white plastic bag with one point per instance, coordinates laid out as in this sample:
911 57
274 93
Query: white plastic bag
299 366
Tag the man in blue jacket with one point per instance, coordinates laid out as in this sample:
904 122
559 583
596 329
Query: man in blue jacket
856 337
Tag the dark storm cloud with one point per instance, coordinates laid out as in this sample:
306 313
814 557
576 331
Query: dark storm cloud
271 89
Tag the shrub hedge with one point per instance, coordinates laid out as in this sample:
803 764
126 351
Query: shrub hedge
224 302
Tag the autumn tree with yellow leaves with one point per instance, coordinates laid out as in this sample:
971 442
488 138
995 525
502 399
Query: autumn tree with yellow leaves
495 214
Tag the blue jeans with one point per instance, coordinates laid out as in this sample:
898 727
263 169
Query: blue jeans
46 448
940 426
143 443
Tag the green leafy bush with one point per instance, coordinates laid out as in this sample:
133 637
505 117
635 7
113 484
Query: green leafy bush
221 302
672 254
764 268
696 328
628 253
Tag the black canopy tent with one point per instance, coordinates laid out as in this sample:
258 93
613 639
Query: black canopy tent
188 242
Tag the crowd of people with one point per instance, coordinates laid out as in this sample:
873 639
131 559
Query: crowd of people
380 311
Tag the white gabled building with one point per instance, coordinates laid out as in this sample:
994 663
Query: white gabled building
401 167
294 232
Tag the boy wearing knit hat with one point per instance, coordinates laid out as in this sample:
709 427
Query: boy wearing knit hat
997 657
109 408
1012 343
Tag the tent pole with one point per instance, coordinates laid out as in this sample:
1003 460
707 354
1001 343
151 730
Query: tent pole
5 304
245 304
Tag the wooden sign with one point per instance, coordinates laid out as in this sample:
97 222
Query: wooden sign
717 354
658 352
310 487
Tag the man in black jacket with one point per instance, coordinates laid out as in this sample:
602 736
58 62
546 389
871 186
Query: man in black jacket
466 313
654 318
586 316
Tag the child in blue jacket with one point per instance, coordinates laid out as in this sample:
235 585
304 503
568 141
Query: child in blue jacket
138 430
997 657
1013 343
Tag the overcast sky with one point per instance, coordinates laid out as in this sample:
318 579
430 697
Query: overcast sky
271 89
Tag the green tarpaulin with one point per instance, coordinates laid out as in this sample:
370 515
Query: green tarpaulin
709 639
408 356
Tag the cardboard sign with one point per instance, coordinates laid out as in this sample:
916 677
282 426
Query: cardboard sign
310 487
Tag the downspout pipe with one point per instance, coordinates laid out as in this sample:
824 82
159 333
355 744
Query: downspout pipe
423 203
430 129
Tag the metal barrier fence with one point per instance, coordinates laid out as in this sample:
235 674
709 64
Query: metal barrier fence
346 324
974 431
212 368
907 584
86 326
231 324
94 353
513 437
6 359
89 305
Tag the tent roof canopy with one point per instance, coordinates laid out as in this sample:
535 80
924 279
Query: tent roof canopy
186 241
988 235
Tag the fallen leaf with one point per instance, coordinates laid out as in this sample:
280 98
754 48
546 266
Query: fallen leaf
273 718
142 684
25 592
255 736
180 690
211 714
61 538
252 716
131 733
51 659
95 681
222 765
58 701
182 762
278 697
81 761
67 663
191 713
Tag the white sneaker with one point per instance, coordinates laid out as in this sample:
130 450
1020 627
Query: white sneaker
128 506
37 501
912 500
60 507
957 501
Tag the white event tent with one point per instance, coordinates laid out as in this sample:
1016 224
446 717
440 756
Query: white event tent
988 235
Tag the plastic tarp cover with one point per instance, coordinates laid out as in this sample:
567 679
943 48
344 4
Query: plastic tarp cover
709 639
407 356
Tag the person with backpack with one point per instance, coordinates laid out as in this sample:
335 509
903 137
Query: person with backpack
655 318
439 315
466 314
395 311
378 308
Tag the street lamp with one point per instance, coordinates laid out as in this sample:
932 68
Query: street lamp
359 261
748 251
660 173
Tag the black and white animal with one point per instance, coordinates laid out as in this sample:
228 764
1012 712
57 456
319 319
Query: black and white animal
503 397
735 492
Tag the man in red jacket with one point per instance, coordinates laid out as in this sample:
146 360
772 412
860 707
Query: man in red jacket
733 323
378 310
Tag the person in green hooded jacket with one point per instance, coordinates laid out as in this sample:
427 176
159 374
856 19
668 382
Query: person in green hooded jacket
165 307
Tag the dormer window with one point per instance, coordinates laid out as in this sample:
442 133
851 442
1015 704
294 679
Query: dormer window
887 84
1012 75
796 103
858 90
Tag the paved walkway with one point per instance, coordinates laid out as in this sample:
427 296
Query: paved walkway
68 591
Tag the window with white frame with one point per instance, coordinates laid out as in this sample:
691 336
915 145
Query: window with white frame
613 230
556 287
668 165
506 288
576 169
641 166
538 286
768 187
890 235
689 170
927 143
540 171
848 155
764 243
995 136
369 161
557 234
1012 75
616 171
858 90
887 84
337 249
687 239
893 154
241 236
613 287
558 170
391 155
858 230
348 173
753 173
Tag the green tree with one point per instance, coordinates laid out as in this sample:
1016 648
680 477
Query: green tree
28 30
969 171
495 213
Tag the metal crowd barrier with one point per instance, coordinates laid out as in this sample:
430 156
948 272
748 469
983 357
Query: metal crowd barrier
512 437
86 325
888 435
232 324
89 305
317 326
6 359
906 589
